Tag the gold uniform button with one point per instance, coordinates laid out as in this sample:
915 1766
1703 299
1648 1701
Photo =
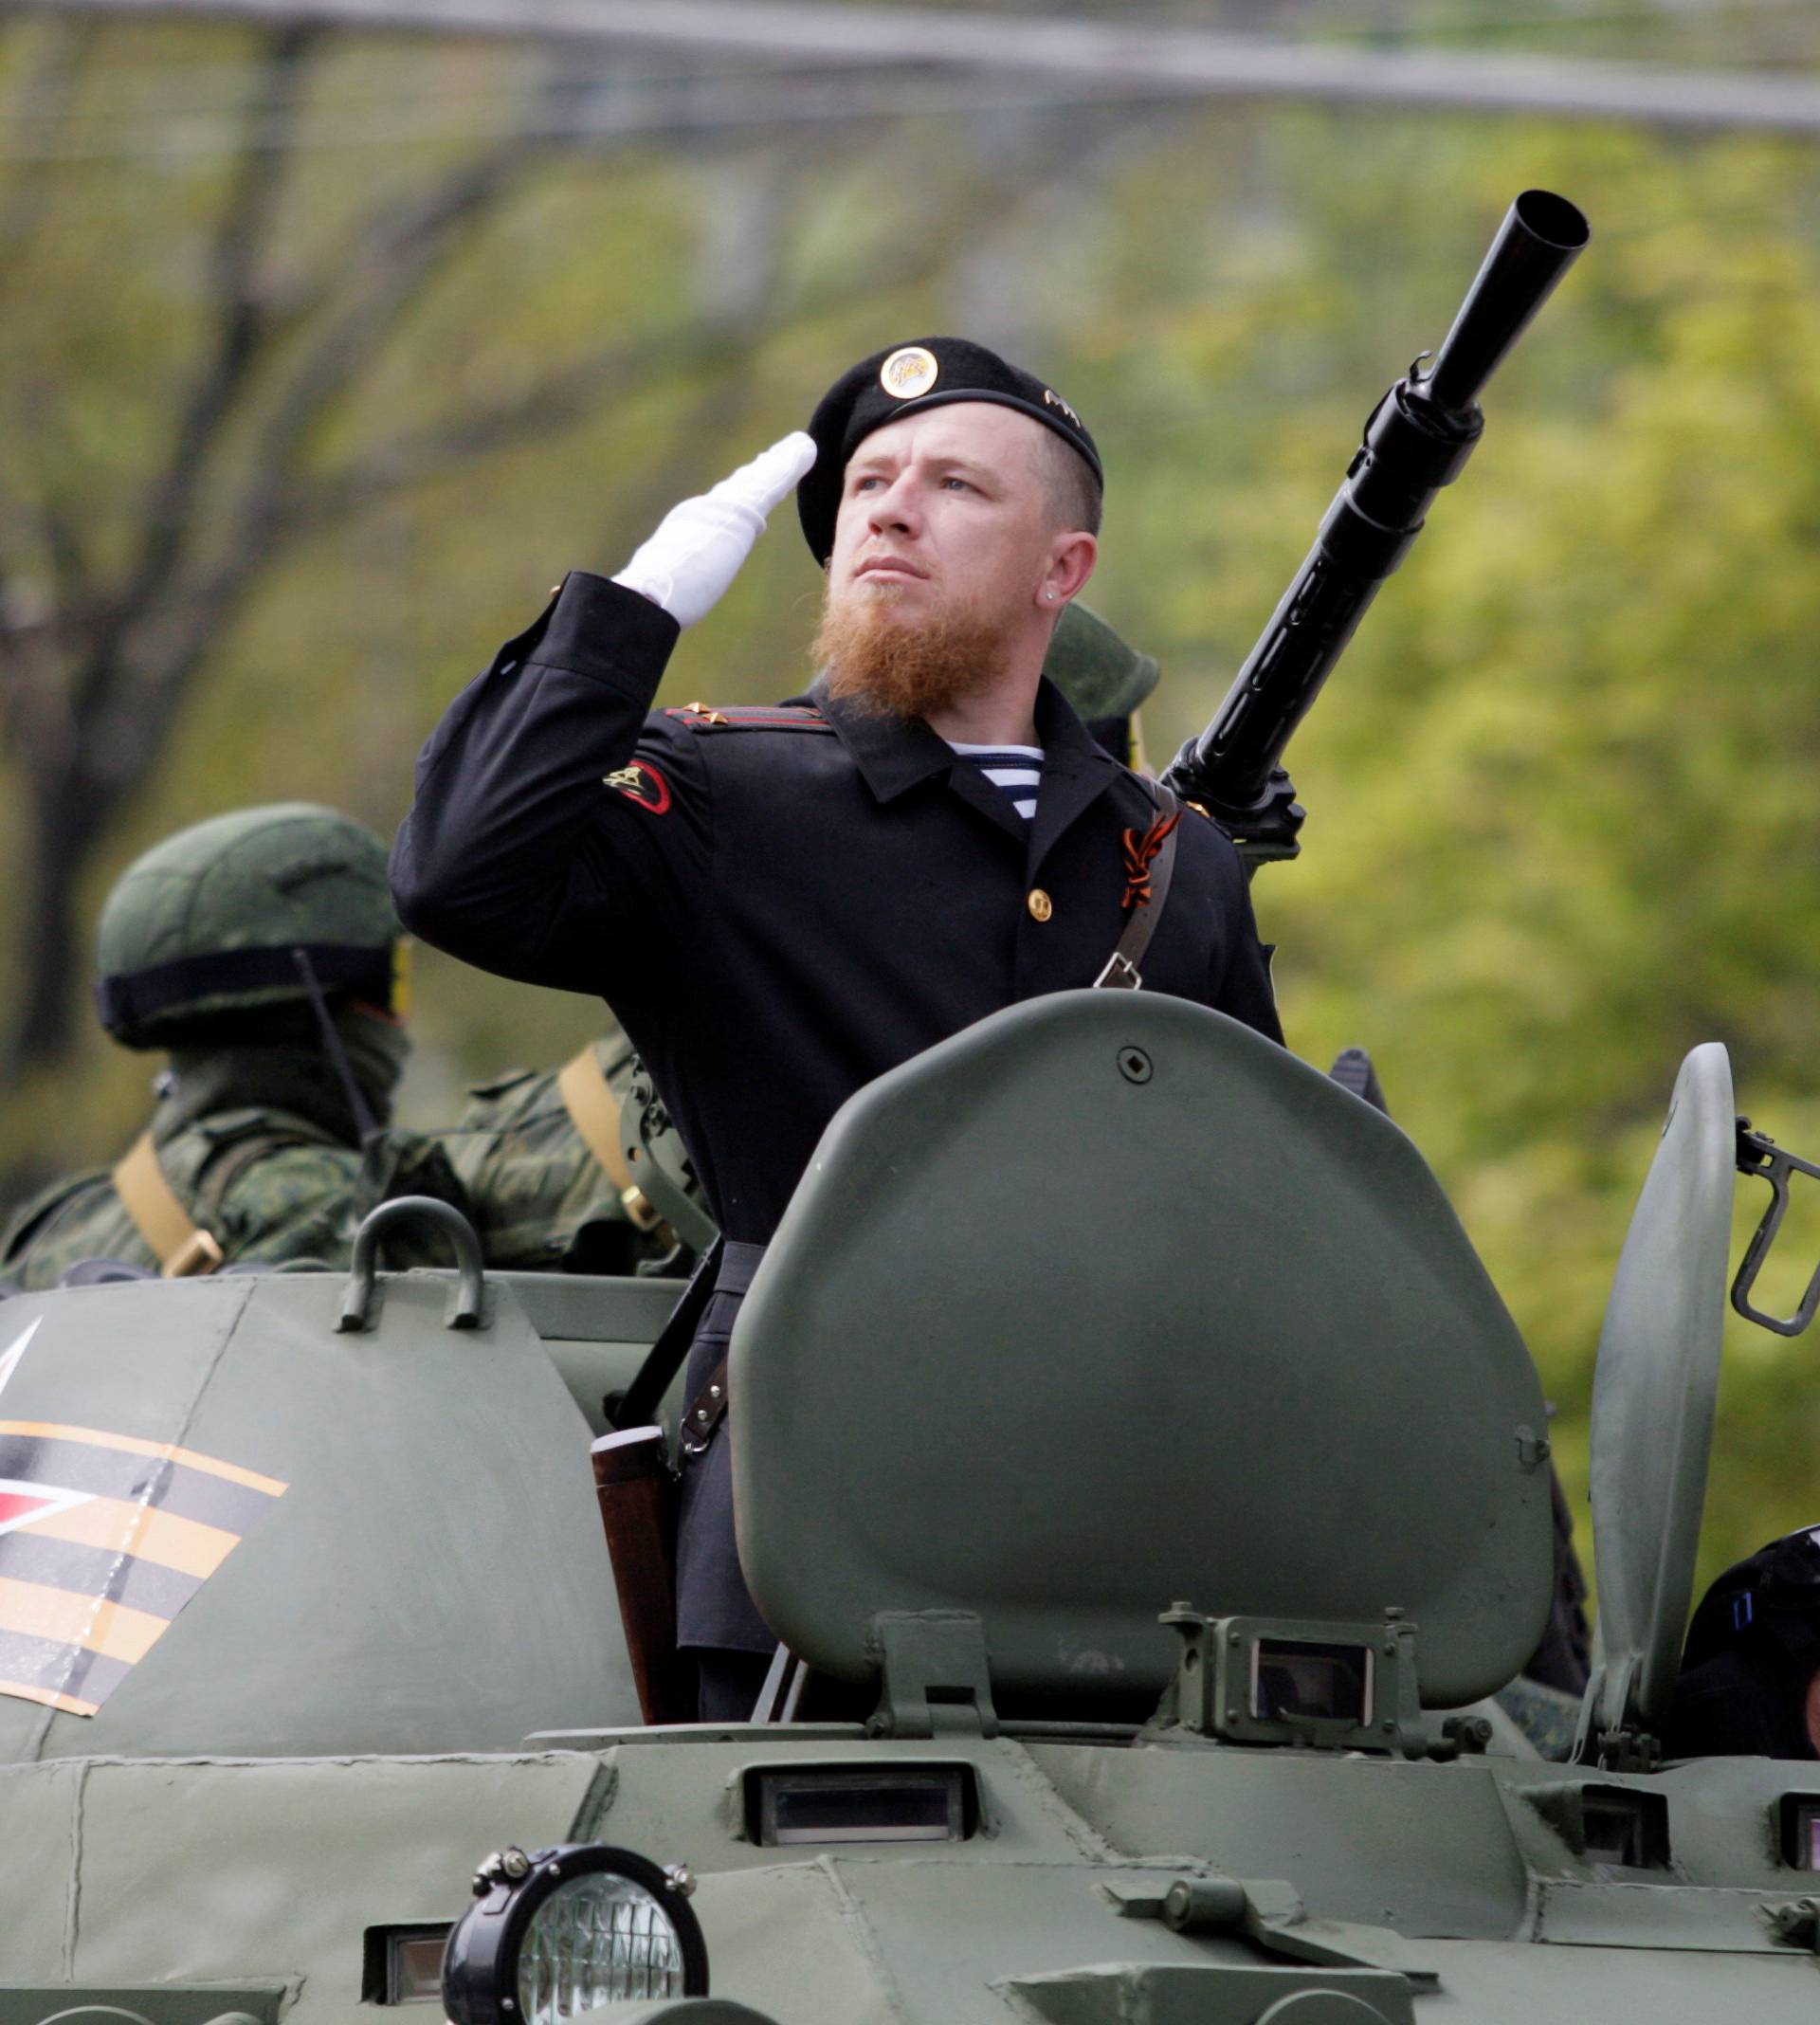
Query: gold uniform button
1040 905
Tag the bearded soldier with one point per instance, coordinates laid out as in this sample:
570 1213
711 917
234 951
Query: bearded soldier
543 1157
261 952
783 903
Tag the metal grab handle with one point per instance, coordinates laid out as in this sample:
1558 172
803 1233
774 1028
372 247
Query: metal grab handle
1759 1154
465 1300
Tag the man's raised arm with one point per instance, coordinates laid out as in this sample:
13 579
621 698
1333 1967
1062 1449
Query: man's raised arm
512 857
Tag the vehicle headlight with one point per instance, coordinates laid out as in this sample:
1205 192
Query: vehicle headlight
556 1933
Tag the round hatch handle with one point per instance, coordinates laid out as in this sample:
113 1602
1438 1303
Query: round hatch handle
425 1212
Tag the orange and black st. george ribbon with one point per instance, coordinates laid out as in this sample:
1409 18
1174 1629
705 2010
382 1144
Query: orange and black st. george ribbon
103 1539
1141 850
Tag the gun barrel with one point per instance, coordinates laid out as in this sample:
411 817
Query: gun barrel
1541 238
1416 441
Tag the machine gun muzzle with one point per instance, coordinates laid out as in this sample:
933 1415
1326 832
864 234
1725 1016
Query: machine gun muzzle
1416 440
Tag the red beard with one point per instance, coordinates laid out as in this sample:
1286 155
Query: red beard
901 668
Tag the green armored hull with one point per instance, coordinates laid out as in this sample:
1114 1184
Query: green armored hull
1179 1522
183 1889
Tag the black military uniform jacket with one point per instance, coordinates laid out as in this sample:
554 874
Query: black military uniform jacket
778 912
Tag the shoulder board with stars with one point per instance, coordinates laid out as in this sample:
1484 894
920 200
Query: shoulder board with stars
751 717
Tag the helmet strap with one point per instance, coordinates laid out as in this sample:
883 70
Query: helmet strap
365 1124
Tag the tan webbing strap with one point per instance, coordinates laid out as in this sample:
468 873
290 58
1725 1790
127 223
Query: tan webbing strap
180 1247
588 1096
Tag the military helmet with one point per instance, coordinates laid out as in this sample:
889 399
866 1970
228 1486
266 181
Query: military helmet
242 911
1094 668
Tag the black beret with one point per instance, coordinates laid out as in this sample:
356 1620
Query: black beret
902 380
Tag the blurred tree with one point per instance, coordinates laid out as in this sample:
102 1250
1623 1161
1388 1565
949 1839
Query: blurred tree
1562 819
285 354
100 647
1562 824
111 607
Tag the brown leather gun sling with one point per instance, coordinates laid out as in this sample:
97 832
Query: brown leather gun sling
1149 864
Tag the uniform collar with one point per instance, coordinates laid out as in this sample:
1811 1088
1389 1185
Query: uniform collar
1077 770
891 754
894 755
286 1070
292 1082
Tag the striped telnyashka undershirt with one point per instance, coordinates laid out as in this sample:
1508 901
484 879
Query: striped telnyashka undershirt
1017 769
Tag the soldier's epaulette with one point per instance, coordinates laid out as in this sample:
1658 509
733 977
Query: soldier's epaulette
751 717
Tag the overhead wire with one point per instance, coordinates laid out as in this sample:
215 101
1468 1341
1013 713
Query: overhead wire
1192 59
392 102
1355 23
620 111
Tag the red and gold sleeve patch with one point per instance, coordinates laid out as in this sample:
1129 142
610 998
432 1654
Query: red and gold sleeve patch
641 783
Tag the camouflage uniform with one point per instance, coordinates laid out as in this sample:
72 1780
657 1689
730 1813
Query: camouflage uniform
536 1194
1549 1717
539 1197
259 1135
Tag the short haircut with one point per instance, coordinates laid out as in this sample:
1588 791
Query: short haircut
1075 497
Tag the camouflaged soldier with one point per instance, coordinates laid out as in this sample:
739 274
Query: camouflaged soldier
260 949
547 1159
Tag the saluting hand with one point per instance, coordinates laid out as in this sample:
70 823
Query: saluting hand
699 546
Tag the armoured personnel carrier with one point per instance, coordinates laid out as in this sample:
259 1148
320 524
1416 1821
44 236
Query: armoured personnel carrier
1122 1423
1177 1517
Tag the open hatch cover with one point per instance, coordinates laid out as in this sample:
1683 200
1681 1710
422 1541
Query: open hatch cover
1654 1393
1107 1301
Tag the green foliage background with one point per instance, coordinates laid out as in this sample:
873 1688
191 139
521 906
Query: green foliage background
1562 791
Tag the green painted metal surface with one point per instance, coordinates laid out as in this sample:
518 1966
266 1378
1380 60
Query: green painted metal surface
326 1737
1655 1392
595 1331
429 1577
205 1876
1060 1360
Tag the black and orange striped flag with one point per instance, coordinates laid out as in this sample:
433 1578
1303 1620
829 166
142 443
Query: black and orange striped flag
103 1539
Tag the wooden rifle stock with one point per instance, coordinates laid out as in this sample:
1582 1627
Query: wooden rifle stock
637 1493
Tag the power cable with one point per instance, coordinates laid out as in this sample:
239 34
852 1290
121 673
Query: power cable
1190 62
619 112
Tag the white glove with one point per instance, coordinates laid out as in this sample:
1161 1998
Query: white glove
699 546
